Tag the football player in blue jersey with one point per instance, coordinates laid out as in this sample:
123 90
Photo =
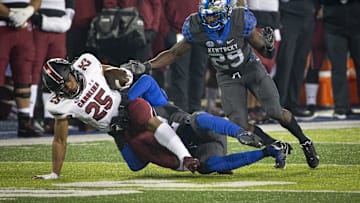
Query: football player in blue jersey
227 34
203 134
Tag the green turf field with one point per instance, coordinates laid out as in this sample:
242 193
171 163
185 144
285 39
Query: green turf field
95 172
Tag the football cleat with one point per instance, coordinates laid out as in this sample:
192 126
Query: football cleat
249 138
311 156
191 163
282 150
26 128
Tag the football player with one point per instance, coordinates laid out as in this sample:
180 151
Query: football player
228 35
201 133
80 90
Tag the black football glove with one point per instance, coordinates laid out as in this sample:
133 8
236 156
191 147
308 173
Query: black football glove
136 67
120 123
268 35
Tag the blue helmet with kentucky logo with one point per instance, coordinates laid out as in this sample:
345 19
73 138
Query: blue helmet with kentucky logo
214 14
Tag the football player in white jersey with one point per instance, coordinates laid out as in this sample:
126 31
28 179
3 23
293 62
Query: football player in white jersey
80 90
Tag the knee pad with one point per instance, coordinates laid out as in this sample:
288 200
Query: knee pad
18 86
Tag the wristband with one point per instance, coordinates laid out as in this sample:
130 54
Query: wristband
147 65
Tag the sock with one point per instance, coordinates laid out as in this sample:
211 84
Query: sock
265 137
311 93
233 161
24 111
206 121
33 96
295 129
167 137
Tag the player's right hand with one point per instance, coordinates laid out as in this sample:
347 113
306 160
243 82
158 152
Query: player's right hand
136 67
19 16
51 176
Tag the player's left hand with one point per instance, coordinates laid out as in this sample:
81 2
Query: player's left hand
268 35
249 138
51 176
18 17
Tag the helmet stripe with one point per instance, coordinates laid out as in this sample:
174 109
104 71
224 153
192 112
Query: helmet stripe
53 74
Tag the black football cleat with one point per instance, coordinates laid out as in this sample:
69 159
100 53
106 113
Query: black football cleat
310 153
284 149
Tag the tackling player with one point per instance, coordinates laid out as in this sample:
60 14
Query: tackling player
201 133
228 35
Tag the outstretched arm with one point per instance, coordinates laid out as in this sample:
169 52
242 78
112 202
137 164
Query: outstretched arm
169 56
58 149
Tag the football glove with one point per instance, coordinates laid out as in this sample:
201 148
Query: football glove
120 123
18 17
136 67
250 139
51 176
268 36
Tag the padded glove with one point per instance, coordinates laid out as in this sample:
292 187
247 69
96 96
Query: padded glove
268 35
18 17
136 67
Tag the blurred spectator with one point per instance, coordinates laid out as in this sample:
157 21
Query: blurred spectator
317 57
51 22
150 10
191 68
342 35
297 21
17 49
77 35
212 92
7 103
162 41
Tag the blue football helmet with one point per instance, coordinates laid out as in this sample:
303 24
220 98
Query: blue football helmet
214 14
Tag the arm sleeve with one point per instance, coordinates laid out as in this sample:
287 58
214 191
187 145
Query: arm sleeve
186 30
249 22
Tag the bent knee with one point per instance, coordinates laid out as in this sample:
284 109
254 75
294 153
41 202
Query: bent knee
140 112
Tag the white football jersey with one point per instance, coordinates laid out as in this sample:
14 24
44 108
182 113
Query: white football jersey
96 104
